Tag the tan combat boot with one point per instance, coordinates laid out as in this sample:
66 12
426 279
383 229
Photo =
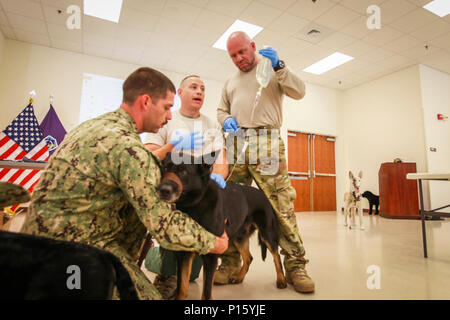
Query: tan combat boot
224 273
300 280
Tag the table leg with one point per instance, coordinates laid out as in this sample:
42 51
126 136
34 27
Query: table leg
422 217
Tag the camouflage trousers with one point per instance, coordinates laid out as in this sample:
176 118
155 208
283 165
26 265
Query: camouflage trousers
264 162
144 288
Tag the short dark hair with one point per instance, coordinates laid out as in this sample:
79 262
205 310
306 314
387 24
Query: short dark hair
189 76
146 81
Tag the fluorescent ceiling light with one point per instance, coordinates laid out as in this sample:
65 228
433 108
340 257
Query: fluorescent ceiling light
103 9
328 63
439 7
251 29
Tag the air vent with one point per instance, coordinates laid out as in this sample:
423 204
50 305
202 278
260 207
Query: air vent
313 33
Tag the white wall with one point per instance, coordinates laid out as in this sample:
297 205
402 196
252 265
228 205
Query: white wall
27 67
380 121
435 91
2 46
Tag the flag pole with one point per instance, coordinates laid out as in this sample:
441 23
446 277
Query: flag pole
32 95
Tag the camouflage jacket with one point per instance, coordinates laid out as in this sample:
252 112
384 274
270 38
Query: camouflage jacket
99 189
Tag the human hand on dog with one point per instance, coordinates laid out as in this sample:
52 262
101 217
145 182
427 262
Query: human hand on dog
188 141
221 244
219 179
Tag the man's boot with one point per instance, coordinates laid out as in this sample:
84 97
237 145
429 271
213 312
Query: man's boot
167 286
300 280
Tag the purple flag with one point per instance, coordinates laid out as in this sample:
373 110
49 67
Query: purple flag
52 130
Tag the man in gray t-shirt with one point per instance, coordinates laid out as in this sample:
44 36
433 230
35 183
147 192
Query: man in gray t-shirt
186 120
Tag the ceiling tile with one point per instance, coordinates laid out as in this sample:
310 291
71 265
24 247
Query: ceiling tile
179 11
32 37
279 4
403 43
25 8
197 3
63 4
360 6
288 24
97 50
377 55
210 20
380 37
393 10
337 17
67 45
129 54
97 40
419 51
432 31
337 40
231 8
395 62
99 26
259 14
154 7
358 48
414 20
135 35
137 19
419 3
27 24
52 15
442 41
59 32
309 10
357 28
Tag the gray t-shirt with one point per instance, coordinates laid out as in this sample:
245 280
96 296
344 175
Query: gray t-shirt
211 131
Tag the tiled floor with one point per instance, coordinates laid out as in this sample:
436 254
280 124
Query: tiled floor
339 259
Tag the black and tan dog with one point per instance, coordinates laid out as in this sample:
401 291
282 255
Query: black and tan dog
244 209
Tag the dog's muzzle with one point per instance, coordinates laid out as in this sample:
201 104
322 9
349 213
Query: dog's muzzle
170 188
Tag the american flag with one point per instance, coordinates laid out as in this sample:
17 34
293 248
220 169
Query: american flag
23 138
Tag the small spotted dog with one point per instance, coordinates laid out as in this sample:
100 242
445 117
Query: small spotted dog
352 201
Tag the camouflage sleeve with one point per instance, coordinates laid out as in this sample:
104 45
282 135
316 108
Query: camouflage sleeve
138 173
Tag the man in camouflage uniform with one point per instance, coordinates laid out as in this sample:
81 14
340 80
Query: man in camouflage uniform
99 186
264 160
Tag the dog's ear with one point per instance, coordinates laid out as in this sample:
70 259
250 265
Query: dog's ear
360 175
350 174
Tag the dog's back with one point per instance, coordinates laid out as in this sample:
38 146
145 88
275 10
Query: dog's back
34 267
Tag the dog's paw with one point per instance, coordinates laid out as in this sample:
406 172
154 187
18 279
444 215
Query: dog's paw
362 228
281 284
235 280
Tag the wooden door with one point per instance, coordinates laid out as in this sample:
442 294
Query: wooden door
299 169
324 174
311 167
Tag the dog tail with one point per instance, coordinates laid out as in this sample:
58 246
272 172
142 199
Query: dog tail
263 247
125 285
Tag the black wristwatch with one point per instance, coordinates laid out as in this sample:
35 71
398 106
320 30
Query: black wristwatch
280 65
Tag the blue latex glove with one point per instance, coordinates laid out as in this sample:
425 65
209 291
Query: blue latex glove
230 124
188 141
270 53
219 179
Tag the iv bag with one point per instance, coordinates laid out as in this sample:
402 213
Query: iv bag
263 71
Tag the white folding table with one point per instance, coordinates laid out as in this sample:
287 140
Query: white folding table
433 213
